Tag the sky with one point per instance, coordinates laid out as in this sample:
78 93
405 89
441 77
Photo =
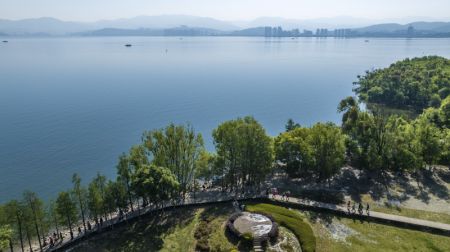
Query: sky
93 10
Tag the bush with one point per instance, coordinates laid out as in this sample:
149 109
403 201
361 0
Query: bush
202 245
291 220
247 237
203 230
201 234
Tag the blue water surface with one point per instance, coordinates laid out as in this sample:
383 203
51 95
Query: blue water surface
74 104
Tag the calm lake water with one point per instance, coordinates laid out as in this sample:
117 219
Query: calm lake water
74 104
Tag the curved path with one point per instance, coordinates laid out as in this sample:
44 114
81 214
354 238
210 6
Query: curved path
436 227
212 197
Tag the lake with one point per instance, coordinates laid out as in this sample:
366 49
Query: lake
75 104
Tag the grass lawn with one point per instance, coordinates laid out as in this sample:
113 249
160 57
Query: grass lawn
169 231
218 239
374 237
174 231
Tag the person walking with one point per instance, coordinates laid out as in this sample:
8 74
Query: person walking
349 205
367 209
354 208
360 208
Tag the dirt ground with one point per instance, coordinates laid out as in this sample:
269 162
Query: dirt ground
429 190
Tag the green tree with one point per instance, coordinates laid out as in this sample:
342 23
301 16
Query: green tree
244 152
6 237
100 183
96 197
294 151
155 184
291 125
53 214
445 154
205 166
36 206
124 173
429 138
178 148
328 144
80 195
115 196
66 209
410 83
14 216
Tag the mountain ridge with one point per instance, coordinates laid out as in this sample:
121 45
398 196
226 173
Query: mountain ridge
54 27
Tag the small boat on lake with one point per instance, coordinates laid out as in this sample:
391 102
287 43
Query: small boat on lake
367 41
128 45
5 41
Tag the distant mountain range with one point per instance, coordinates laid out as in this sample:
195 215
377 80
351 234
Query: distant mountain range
439 27
183 25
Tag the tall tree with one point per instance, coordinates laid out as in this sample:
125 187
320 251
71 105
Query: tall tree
66 209
244 151
155 183
53 214
124 173
328 145
80 193
293 150
176 147
6 237
37 211
13 211
100 183
95 203
291 125
429 137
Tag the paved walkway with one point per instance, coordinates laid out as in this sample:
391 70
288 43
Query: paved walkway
407 221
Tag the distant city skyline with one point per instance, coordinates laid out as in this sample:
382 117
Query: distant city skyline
230 10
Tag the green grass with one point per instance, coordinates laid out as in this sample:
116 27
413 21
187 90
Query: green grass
164 231
218 240
378 237
290 219
181 238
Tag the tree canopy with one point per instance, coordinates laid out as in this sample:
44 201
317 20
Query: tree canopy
411 83
317 152
244 151
176 147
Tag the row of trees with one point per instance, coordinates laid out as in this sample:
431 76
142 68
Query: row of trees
411 83
163 167
167 162
379 142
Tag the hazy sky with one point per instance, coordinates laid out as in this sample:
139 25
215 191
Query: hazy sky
89 10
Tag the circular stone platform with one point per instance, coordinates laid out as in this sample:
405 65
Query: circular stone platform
256 224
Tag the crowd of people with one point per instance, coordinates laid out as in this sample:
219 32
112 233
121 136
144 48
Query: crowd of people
274 191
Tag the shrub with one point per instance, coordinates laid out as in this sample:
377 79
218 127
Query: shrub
202 245
248 237
274 231
203 230
201 234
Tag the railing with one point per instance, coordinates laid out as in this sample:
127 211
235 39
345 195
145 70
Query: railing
201 198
